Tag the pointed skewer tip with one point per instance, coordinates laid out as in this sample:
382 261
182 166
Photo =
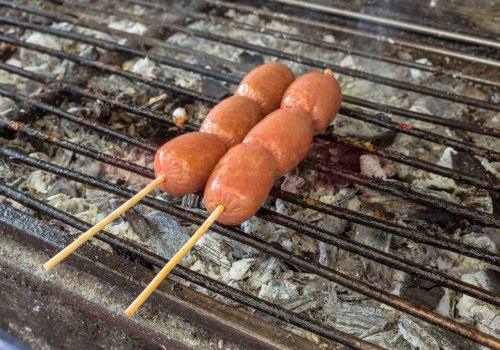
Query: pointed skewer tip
150 288
63 254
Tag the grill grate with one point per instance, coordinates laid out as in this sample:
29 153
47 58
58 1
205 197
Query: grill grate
398 189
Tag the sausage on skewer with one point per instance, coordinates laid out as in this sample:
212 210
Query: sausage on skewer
184 164
243 178
311 100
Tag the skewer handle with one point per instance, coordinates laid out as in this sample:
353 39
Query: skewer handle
136 304
63 254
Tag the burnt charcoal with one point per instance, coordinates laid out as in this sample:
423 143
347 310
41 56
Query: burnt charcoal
494 279
383 139
63 186
333 153
463 135
422 292
156 132
495 199
213 88
467 164
91 53
434 216
253 59
160 230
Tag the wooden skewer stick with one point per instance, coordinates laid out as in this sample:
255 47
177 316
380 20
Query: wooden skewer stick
63 254
136 304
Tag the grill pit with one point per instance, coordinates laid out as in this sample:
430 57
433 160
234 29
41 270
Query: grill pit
441 189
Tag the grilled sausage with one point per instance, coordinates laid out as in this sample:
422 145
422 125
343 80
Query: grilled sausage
317 94
241 182
287 134
266 85
187 161
232 119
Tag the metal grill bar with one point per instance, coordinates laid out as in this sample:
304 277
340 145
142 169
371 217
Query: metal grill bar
393 188
394 41
342 48
412 27
404 191
349 99
322 235
404 159
391 155
312 62
454 124
100 66
346 281
73 89
28 102
385 122
152 259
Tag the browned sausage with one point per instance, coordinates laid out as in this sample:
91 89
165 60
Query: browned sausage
317 94
287 134
266 85
232 119
187 161
240 182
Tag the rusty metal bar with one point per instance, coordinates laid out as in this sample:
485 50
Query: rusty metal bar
323 235
342 48
346 281
353 100
407 26
31 103
152 259
408 160
393 41
403 190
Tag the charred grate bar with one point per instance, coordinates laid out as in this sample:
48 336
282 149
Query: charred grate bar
316 63
29 103
396 189
399 190
147 257
351 31
363 288
389 260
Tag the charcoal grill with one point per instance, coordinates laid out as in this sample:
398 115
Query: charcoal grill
195 319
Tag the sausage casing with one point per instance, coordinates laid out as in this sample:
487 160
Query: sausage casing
240 182
187 161
317 94
232 119
287 134
266 85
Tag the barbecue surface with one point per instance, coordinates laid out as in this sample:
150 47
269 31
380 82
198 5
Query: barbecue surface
387 234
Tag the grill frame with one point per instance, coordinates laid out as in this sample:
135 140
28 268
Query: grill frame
30 103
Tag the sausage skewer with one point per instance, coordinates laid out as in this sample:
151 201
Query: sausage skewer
184 164
243 178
